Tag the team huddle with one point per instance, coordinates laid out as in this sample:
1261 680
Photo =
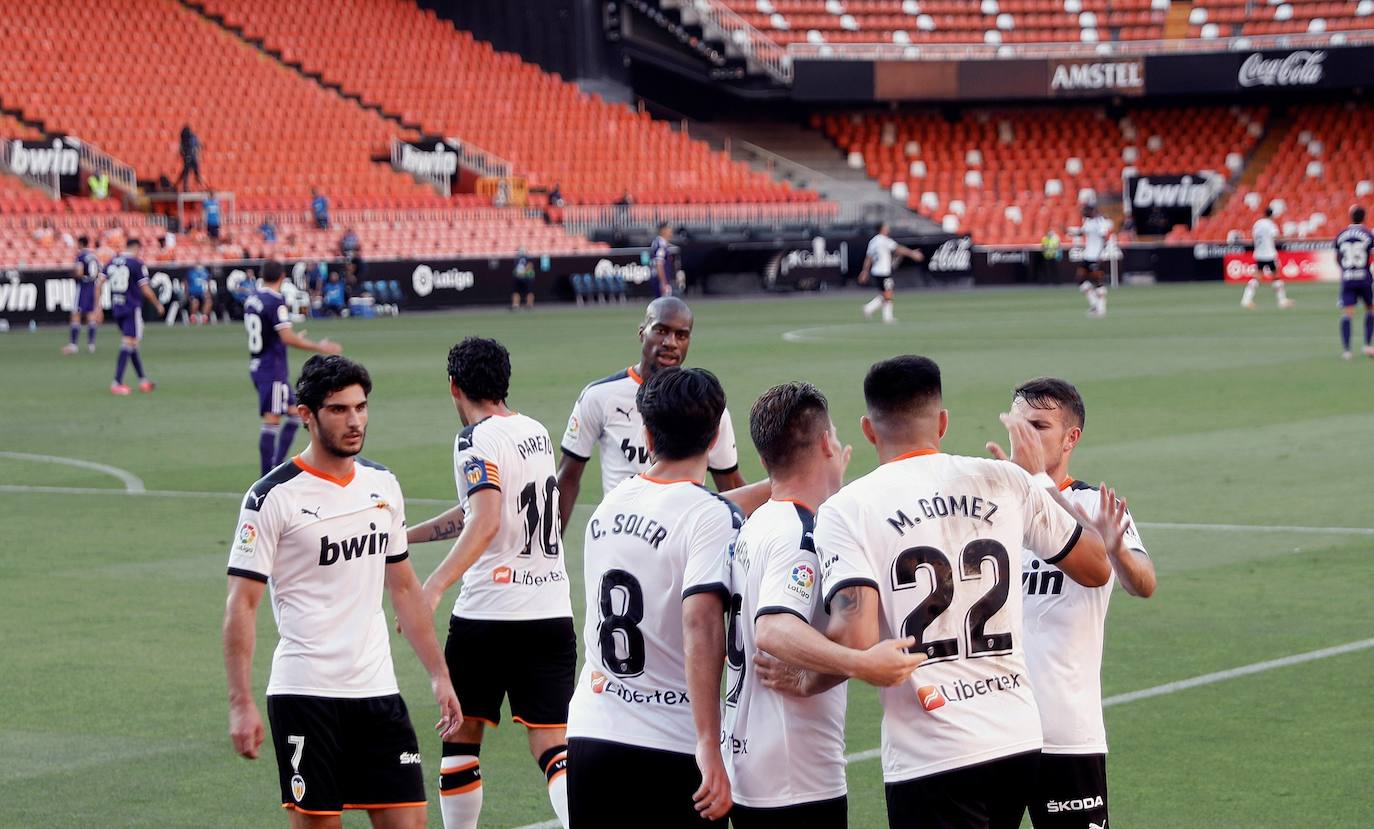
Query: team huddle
782 590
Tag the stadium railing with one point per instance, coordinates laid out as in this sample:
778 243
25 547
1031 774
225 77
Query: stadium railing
585 218
757 47
978 51
99 162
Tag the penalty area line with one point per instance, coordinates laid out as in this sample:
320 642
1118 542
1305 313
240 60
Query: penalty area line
1146 693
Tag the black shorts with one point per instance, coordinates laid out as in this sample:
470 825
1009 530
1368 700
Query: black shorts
336 754
823 814
990 795
884 284
523 287
533 661
1266 267
1070 792
613 784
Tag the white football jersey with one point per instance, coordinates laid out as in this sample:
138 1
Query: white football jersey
880 250
521 574
1064 622
649 546
605 415
1095 233
940 538
322 545
1266 234
780 750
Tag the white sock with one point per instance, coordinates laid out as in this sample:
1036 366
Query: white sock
461 804
887 311
872 306
1101 300
558 796
554 764
1280 292
1249 295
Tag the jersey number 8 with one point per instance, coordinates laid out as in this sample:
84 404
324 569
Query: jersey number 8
622 643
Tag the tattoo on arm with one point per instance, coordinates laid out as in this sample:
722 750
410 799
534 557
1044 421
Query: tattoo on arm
848 602
450 529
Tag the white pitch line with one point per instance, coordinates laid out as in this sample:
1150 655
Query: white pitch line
173 493
1146 693
132 483
163 493
1259 528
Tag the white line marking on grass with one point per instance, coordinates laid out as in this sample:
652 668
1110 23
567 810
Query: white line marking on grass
1156 691
173 493
132 483
163 493
1260 528
1244 670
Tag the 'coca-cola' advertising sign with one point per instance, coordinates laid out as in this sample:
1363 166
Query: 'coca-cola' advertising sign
1294 266
1301 68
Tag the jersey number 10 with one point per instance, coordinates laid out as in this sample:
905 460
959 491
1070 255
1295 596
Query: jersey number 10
535 518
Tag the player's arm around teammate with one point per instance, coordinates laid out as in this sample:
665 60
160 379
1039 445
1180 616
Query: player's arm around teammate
447 524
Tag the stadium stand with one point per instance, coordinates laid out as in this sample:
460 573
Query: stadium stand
1006 176
421 70
1319 165
954 21
268 133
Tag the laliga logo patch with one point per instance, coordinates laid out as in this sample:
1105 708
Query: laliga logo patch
931 697
598 682
573 427
803 575
501 575
298 787
248 537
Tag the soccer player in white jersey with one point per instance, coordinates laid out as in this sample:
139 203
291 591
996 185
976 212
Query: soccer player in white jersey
878 264
645 727
605 417
1064 622
513 615
929 545
327 532
1097 229
1265 234
785 751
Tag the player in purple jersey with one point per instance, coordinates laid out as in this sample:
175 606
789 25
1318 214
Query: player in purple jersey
1353 248
89 281
268 323
128 278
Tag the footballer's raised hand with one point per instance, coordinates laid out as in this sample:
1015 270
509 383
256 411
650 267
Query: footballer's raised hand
1027 451
712 798
889 662
245 729
1110 522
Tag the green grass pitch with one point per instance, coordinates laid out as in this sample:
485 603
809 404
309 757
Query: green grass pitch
1200 413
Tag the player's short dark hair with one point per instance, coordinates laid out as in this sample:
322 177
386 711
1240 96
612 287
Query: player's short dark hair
1046 392
322 375
662 226
83 240
273 270
133 242
681 408
785 420
901 385
480 368
1357 215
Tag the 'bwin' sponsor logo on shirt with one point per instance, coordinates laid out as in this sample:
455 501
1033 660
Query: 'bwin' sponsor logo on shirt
1046 583
369 544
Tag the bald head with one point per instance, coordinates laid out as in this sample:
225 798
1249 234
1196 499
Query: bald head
665 335
667 307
